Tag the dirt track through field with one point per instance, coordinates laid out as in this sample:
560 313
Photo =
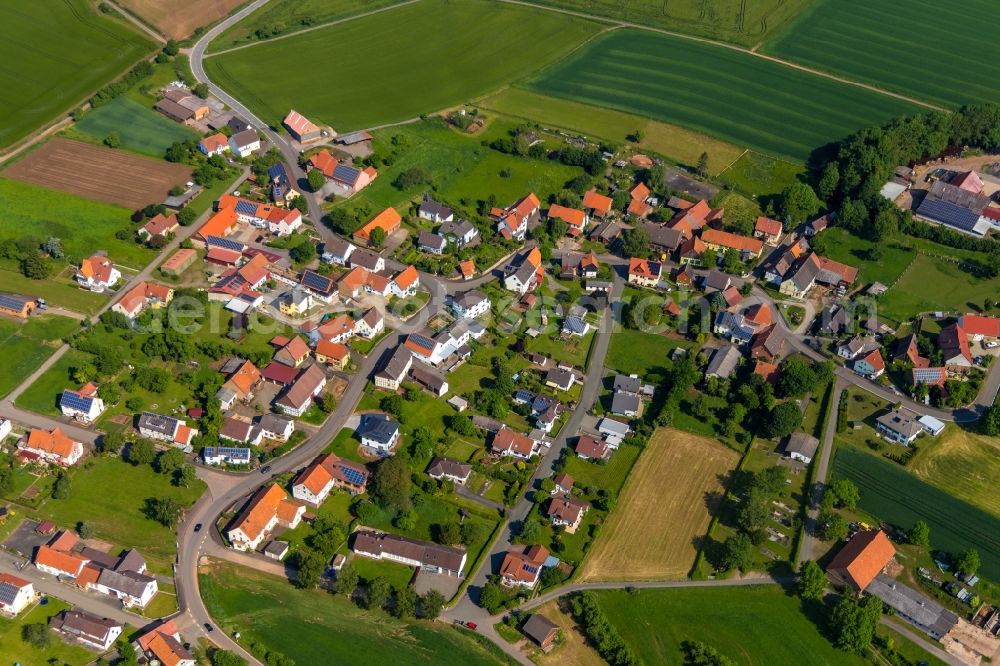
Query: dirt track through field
95 172
664 509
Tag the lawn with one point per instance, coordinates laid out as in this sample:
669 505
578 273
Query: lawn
682 475
758 175
47 76
635 352
309 626
931 284
399 575
58 290
110 494
762 105
42 397
758 625
385 68
610 475
862 40
726 20
16 651
83 225
140 128
675 143
284 16
573 351
28 345
843 246
891 494
963 463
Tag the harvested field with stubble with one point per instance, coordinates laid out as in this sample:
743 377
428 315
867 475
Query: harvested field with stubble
665 508
95 172
179 18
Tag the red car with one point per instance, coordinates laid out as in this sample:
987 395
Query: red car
471 625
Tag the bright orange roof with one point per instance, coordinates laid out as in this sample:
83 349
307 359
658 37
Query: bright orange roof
219 224
325 162
246 377
527 205
979 325
13 580
508 440
64 541
534 257
214 142
407 277
332 350
178 259
767 225
642 267
163 651
316 477
388 220
355 279
71 564
299 123
864 557
571 216
640 191
54 442
599 203
874 359
759 314
263 507
336 327
732 241
297 348
88 575
468 267
286 510
168 628
639 208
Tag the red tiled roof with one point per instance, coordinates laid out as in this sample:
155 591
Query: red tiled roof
864 557
526 206
759 313
214 142
642 267
279 373
874 359
406 277
388 220
979 325
571 216
467 267
847 273
639 192
324 161
70 564
299 123
591 447
55 442
766 225
731 240
333 350
599 203
508 440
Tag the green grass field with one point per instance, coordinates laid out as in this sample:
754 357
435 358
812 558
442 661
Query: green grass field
57 54
635 352
610 476
931 284
962 462
911 50
140 128
756 174
284 16
43 395
676 143
310 626
397 64
60 290
841 245
17 651
722 92
27 345
84 226
891 494
758 625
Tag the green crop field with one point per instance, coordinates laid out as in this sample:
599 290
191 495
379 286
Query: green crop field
891 494
936 51
397 64
57 53
140 129
84 226
735 21
26 346
308 626
730 619
723 92
283 16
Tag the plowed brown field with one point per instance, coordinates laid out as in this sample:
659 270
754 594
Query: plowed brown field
179 18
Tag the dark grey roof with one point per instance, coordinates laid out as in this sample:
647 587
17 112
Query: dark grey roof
83 624
444 466
469 299
433 241
364 258
165 425
378 427
337 246
559 377
923 611
803 444
435 209
396 365
245 138
427 376
273 423
900 422
624 403
456 228
575 325
127 582
422 551
717 280
627 384
538 628
724 361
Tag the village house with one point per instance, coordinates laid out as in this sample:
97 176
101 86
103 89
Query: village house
166 429
560 379
378 433
522 566
802 447
290 351
370 324
428 557
576 265
338 251
566 511
98 633
467 269
576 220
768 229
614 432
275 427
214 145
159 225
434 212
406 282
327 472
141 296
295 303
508 443
724 362
460 233
871 365
470 304
643 272
163 644
899 426
392 373
811 270
860 560
597 205
82 405
721 241
245 143
954 346
449 470
334 354
388 221
431 243
269 508
539 629
429 378
226 455
97 273
768 344
512 222
242 379
298 397
240 431
50 447
522 274
15 594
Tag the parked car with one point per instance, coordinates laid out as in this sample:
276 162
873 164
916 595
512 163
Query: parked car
265 469
197 528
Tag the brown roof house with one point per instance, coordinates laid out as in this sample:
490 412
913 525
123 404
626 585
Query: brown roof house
861 559
566 511
522 566
426 556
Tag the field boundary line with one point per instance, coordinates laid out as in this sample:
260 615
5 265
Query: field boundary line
730 165
311 28
138 22
732 47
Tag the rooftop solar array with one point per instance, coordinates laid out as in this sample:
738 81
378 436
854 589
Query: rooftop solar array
345 173
353 476
421 340
218 241
276 171
950 214
316 281
227 451
246 207
8 593
73 400
12 302
530 569
926 374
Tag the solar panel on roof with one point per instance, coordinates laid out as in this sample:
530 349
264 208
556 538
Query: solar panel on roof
218 241
353 475
71 400
422 340
276 171
530 569
8 593
950 214
246 207
316 281
11 302
345 173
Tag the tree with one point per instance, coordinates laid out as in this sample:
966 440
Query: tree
829 181
201 90
377 237
753 511
473 532
844 494
309 567
703 164
303 252
164 510
62 486
112 140
170 461
185 476
492 598
854 623
391 483
393 404
968 562
226 658
919 534
141 452
635 242
697 653
37 635
737 553
377 592
406 602
990 422
347 580
830 525
431 604
172 48
316 180
85 530
54 248
799 202
448 534
782 421
35 266
812 581
109 393
134 404
795 379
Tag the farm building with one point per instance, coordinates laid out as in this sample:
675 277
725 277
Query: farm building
861 560
179 262
301 128
16 306
430 557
